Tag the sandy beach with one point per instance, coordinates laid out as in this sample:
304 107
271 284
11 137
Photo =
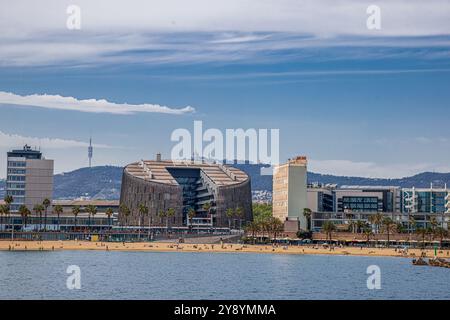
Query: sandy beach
213 248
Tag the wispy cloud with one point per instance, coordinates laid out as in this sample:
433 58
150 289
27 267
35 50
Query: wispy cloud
151 31
88 105
16 141
372 169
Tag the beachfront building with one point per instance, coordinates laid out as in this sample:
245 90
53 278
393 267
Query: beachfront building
423 206
29 177
290 191
321 198
368 199
75 217
184 193
424 203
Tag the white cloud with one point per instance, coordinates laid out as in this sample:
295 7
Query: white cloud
88 105
113 31
17 141
325 17
372 169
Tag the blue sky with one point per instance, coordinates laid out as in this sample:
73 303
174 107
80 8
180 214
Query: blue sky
353 101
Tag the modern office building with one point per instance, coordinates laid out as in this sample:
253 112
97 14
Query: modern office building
424 203
321 198
29 177
184 186
290 191
368 199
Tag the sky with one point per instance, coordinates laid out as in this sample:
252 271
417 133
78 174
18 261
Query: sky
356 101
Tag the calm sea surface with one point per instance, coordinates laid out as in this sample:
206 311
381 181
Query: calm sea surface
142 275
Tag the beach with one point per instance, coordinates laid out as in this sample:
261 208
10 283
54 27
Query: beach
216 248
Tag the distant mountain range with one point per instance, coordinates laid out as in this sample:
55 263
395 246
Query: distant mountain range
104 182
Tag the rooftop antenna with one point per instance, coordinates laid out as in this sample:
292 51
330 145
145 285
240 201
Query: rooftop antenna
90 152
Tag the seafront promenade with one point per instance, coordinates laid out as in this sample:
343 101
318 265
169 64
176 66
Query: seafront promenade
217 248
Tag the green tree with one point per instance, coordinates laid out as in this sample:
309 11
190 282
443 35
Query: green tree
46 203
143 211
275 226
389 227
441 233
230 214
75 211
58 209
169 215
191 215
253 228
328 227
7 208
423 233
307 213
92 211
161 215
2 213
239 212
109 212
39 209
261 211
125 212
24 213
378 219
368 233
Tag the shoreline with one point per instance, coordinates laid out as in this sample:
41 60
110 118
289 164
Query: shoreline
32 246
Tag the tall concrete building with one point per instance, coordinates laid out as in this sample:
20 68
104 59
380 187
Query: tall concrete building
290 191
29 178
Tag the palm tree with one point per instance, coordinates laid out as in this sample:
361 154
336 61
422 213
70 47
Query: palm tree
328 227
307 213
39 209
24 212
230 214
123 209
143 211
46 203
389 226
191 214
423 233
433 224
2 212
58 209
378 221
276 226
161 215
109 212
253 227
369 233
441 233
360 225
352 226
372 220
265 226
239 212
207 207
169 214
7 209
91 210
75 211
